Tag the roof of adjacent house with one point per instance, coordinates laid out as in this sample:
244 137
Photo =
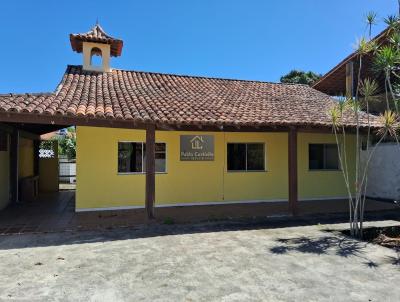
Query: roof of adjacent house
96 35
334 81
176 100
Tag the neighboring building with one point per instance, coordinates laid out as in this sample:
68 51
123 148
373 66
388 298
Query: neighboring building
383 170
341 80
148 138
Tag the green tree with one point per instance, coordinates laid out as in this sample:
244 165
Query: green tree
67 143
300 77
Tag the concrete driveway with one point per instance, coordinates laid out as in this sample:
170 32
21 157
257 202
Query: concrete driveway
204 262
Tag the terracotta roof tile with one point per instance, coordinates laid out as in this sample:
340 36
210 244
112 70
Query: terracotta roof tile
178 100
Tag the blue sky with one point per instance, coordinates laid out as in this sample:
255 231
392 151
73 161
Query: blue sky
247 39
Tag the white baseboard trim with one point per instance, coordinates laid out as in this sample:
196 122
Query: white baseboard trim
205 203
323 198
109 208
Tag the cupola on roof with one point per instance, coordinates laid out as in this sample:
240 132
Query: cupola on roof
96 35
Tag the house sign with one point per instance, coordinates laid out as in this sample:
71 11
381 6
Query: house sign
197 147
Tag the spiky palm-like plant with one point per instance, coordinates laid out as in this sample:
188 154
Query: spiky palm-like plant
386 61
371 20
392 22
394 39
346 108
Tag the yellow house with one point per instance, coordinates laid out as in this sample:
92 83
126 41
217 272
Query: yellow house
161 140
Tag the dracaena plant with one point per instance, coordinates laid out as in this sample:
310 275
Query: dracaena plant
341 114
356 110
371 20
386 62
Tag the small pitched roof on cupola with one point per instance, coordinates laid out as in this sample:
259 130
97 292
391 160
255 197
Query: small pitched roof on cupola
96 35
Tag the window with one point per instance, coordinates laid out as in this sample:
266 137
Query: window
323 157
246 157
132 157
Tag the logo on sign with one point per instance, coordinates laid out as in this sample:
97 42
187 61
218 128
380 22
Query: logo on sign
197 148
197 142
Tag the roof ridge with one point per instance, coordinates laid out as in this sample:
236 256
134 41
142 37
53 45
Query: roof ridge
197 76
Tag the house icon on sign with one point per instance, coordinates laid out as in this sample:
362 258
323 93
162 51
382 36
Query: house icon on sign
197 142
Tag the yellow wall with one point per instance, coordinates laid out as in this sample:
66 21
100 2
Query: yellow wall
99 184
25 167
270 185
322 184
48 172
4 178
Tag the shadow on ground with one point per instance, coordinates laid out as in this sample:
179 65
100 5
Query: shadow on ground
343 247
336 243
346 247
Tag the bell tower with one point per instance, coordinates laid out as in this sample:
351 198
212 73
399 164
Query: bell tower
96 43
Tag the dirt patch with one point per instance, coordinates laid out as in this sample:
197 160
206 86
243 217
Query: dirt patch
384 236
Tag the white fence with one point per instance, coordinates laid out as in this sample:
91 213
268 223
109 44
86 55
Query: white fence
384 171
67 170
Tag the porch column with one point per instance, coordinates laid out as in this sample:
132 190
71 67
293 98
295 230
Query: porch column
14 159
293 194
36 146
350 79
150 170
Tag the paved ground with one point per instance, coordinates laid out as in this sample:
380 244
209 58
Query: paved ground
55 212
204 262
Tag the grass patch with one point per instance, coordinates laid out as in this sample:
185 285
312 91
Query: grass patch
169 221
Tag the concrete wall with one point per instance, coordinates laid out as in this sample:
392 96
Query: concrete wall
4 178
100 186
384 171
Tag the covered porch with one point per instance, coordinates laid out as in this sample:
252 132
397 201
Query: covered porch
27 168
55 211
28 126
50 212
